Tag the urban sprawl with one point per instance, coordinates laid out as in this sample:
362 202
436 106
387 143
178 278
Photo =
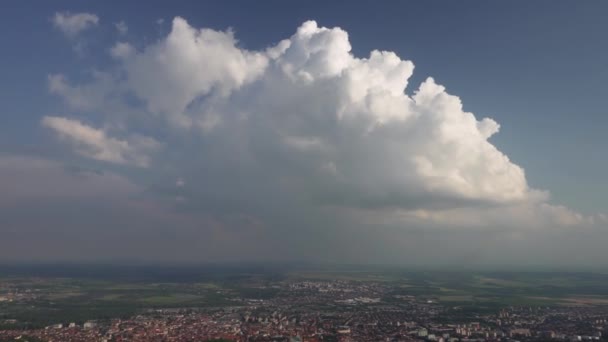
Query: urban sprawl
331 311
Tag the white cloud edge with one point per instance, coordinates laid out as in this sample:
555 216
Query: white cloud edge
72 24
97 144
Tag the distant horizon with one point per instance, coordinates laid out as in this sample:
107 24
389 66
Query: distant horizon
296 266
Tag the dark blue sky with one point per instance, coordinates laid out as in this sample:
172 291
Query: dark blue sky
539 68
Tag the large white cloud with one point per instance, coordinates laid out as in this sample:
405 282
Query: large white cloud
305 124
313 95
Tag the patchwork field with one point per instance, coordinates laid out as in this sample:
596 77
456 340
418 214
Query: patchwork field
74 296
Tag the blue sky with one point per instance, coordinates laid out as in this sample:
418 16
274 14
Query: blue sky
537 68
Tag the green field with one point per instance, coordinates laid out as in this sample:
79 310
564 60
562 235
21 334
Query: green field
484 289
76 298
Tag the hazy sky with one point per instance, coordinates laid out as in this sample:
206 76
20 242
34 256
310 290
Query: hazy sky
403 132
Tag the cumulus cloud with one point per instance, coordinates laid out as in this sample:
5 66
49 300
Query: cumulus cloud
310 101
302 133
71 24
314 103
96 144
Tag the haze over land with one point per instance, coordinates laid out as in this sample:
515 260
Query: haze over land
183 143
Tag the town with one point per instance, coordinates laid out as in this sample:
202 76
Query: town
332 310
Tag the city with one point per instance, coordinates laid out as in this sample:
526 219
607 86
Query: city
355 306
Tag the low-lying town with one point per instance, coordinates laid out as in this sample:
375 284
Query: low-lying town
335 311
